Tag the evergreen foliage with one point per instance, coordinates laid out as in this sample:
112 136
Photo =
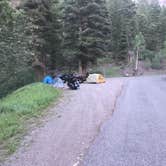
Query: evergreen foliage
46 32
151 22
15 53
123 14
87 30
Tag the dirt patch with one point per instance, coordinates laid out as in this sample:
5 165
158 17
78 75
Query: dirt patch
65 136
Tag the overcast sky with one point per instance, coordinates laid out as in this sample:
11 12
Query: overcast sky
163 2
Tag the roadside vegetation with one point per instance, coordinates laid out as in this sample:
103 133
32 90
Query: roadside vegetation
20 106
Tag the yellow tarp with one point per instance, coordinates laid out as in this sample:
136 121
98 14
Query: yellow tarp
96 78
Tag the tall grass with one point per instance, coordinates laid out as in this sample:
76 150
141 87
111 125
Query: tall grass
21 105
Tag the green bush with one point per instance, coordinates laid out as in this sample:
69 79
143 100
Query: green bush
10 82
147 54
147 64
112 71
156 64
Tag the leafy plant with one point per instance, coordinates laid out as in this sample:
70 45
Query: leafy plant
156 64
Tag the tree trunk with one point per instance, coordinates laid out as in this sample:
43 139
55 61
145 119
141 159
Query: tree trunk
136 61
82 67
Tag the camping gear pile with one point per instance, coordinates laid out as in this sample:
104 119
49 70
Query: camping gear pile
60 80
73 81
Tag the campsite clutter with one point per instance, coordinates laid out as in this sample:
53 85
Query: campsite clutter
73 81
59 81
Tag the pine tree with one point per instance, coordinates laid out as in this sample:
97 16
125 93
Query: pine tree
154 28
123 14
163 26
46 31
150 24
87 35
53 36
71 25
15 53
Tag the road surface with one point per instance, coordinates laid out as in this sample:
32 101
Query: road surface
136 134
75 121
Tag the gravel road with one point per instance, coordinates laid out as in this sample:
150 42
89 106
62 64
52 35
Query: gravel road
67 134
136 134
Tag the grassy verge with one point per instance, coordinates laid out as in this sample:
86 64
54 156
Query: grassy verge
17 108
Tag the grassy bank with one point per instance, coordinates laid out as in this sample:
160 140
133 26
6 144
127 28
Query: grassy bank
20 106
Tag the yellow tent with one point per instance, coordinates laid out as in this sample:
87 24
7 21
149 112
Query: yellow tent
96 78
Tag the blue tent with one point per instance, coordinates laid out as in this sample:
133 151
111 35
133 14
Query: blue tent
58 83
48 80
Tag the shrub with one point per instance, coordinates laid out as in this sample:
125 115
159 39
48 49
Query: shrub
148 64
147 54
112 71
156 64
10 82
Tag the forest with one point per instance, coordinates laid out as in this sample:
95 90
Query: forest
41 36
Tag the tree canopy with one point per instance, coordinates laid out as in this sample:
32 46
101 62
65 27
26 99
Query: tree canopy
87 30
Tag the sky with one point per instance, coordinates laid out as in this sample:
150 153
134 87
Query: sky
163 2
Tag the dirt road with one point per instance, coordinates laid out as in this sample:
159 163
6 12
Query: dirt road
66 135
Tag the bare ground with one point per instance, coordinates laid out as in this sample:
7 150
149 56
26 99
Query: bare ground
68 132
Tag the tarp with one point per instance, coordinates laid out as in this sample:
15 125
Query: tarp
96 78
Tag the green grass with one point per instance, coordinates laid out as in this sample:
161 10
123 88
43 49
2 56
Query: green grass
20 106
